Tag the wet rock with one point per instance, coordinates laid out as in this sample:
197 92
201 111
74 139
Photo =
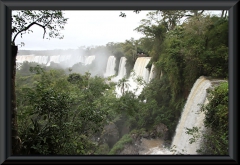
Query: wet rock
160 131
145 135
130 149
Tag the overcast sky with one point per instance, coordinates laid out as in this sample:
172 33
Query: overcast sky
87 28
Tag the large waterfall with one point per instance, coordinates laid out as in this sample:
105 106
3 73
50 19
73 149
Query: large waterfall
110 70
32 58
191 117
65 60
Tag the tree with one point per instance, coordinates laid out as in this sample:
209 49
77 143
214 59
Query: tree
51 22
123 83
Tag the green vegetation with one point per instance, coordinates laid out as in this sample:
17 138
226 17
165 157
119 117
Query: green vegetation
58 113
120 144
216 138
76 112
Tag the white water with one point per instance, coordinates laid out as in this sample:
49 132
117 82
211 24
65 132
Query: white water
65 60
89 60
141 71
191 117
153 147
152 73
140 68
29 58
110 70
122 69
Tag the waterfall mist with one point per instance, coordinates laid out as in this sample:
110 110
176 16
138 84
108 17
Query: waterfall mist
78 59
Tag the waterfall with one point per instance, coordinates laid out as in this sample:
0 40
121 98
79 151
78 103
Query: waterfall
31 58
140 67
152 73
54 59
22 58
139 71
122 68
69 60
89 60
110 66
64 60
41 59
191 117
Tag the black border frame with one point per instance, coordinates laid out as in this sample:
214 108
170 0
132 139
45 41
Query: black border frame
6 6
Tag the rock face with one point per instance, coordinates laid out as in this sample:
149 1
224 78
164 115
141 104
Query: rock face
161 131
130 149
110 134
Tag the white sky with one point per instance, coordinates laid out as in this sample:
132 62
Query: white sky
86 28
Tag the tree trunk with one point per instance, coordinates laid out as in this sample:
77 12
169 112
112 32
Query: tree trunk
222 13
15 138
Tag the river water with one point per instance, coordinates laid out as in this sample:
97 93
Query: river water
153 147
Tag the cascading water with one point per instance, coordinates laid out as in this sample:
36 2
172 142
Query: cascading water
122 69
89 60
65 60
30 58
41 59
69 60
141 71
54 59
22 58
140 67
191 117
110 70
152 73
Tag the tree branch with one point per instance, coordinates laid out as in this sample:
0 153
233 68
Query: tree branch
26 28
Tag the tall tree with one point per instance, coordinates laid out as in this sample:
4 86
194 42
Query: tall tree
123 84
51 21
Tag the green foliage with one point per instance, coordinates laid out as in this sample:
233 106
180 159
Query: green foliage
126 139
123 84
216 121
48 130
158 107
195 134
103 149
60 114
